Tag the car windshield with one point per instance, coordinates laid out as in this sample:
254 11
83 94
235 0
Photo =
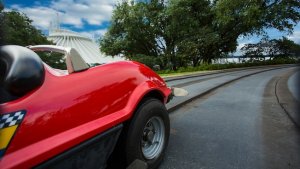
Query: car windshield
54 59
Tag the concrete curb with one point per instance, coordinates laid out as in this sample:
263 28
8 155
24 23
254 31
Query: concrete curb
285 99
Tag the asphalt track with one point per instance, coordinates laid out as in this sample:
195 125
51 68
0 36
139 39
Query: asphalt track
248 118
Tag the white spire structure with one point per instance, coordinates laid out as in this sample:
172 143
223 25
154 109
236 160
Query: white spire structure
88 49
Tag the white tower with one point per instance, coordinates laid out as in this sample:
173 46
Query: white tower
88 49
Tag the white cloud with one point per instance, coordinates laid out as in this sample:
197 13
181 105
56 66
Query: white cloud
295 37
41 16
241 42
238 50
95 34
90 11
75 13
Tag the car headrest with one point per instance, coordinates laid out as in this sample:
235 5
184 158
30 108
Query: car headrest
21 70
74 62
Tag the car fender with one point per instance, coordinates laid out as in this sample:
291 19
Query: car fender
141 92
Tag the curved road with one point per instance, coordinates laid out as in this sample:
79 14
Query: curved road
249 123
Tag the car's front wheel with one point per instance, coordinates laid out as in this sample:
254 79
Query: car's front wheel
148 133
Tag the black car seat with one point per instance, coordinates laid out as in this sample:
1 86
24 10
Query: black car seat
21 71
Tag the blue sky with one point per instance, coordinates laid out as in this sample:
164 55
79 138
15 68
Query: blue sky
91 17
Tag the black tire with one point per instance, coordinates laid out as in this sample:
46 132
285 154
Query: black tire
139 138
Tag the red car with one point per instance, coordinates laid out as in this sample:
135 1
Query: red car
79 117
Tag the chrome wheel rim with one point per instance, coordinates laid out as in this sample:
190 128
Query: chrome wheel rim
153 138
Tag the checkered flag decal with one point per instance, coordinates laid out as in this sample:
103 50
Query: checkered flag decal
11 119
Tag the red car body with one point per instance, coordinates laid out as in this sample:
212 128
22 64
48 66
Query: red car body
68 109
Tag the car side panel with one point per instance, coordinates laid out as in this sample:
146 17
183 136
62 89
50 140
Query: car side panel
67 110
86 155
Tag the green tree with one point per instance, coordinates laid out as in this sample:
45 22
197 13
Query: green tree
253 51
283 48
193 20
131 32
286 47
17 29
55 60
211 28
142 29
242 18
1 24
180 32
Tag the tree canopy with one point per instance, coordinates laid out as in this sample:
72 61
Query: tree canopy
179 32
17 29
138 29
274 48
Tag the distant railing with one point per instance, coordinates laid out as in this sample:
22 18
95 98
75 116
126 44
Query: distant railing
235 60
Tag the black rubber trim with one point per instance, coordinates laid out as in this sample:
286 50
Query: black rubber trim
170 97
109 133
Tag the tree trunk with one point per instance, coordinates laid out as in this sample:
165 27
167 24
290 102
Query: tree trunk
196 62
